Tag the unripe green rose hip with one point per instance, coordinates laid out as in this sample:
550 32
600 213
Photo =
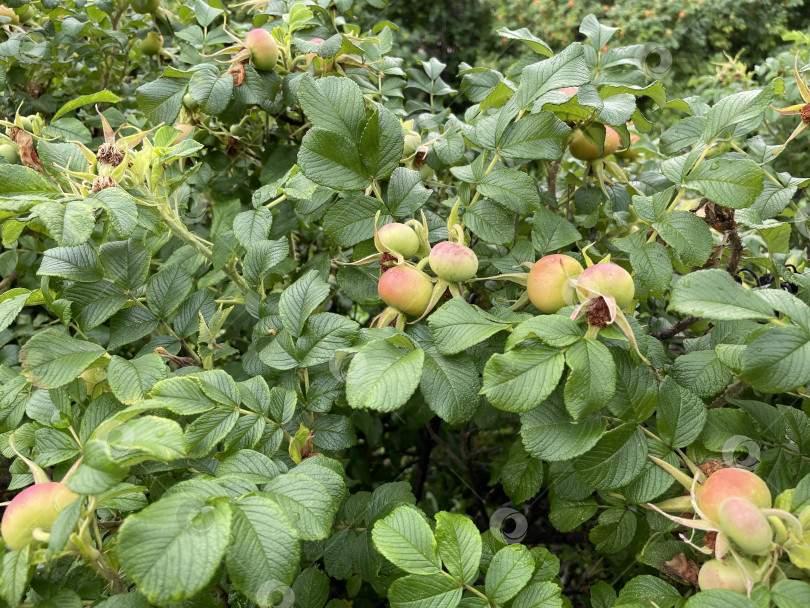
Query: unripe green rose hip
452 262
583 149
406 289
743 522
548 285
191 103
145 6
152 44
716 574
607 279
35 507
263 49
399 238
10 153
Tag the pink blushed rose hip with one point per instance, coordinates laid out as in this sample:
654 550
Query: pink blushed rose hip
452 262
727 483
607 279
549 284
399 238
35 507
406 289
263 49
743 522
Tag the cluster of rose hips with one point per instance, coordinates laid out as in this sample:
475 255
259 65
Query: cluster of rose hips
745 536
405 286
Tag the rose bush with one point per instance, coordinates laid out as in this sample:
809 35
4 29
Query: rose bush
356 330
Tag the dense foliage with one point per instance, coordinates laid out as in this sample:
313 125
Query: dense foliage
288 320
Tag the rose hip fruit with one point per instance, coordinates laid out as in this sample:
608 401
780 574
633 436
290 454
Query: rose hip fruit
716 574
570 91
453 262
548 285
607 279
399 238
583 149
743 522
35 507
727 483
406 289
263 49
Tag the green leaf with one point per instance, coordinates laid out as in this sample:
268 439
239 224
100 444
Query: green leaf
524 35
542 594
702 372
730 183
173 547
383 377
167 289
592 381
432 591
555 330
688 235
551 434
778 360
83 100
11 304
737 108
301 299
513 189
94 303
382 143
130 380
264 553
713 294
652 266
333 104
351 219
332 160
406 193
208 430
535 136
51 358
681 414
211 89
551 232
522 474
126 263
719 598
791 594
616 459
459 545
16 180
508 572
404 538
615 530
566 69
15 574
161 99
306 503
78 263
457 326
70 224
251 227
521 379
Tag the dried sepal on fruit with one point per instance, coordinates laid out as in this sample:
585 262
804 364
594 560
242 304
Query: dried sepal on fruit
800 109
